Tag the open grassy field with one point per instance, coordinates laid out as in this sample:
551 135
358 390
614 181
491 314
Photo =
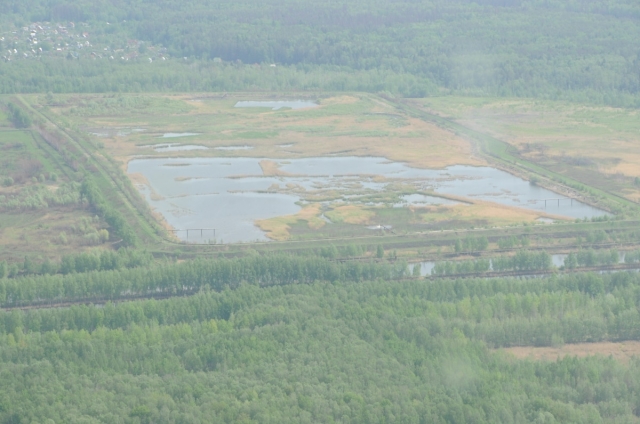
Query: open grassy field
597 145
48 234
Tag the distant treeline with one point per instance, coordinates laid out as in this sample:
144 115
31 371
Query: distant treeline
551 49
84 76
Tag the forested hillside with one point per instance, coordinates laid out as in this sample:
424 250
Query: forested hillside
557 48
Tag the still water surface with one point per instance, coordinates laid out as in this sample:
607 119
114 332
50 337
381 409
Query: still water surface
178 147
557 260
277 105
229 194
178 135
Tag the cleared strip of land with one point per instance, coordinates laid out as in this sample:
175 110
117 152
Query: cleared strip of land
622 351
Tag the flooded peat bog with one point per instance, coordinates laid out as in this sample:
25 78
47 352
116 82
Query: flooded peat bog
230 194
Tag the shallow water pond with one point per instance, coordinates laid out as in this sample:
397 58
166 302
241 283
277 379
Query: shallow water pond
229 194
557 260
279 104
114 132
233 148
178 135
176 147
425 267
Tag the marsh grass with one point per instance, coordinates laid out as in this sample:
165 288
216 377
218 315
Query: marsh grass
22 159
122 105
37 234
553 130
30 225
279 228
360 125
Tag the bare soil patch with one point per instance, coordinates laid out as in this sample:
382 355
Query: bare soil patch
271 168
622 351
278 228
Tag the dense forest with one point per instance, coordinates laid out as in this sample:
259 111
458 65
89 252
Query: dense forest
554 48
341 351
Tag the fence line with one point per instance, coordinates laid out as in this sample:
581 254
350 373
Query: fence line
202 230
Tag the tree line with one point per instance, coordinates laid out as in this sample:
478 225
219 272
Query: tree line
104 260
574 308
187 278
471 244
118 224
405 48
17 116
591 257
523 260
